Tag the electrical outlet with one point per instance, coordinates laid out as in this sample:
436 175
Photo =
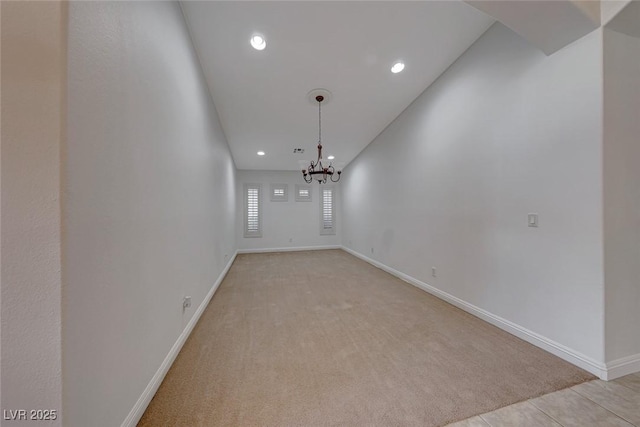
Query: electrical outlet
371 249
433 272
290 239
186 303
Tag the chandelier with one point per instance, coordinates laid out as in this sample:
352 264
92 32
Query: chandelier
317 170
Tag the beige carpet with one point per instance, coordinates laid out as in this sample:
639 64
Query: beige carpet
324 339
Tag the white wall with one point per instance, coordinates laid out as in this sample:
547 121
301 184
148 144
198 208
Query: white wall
288 224
504 132
149 213
33 92
621 191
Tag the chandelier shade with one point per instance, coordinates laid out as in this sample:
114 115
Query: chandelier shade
319 171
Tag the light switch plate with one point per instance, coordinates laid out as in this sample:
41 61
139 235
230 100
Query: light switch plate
533 220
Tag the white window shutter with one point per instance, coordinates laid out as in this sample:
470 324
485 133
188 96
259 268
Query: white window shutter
279 193
303 193
252 222
327 211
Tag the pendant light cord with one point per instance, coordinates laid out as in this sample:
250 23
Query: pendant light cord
320 122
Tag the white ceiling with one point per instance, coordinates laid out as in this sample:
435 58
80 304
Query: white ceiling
345 47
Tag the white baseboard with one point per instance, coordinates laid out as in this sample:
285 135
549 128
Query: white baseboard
141 405
290 249
621 367
570 355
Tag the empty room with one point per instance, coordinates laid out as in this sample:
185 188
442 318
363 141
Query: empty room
320 213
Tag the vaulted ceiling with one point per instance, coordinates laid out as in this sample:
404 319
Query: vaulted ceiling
347 48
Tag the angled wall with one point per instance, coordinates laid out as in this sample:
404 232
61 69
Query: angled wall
504 132
149 206
621 151
548 25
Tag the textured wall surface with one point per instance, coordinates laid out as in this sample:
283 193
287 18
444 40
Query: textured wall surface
505 132
621 190
33 90
149 213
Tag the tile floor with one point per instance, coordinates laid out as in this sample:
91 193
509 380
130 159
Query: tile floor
591 404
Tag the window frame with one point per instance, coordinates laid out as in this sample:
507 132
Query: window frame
285 195
328 231
302 198
246 188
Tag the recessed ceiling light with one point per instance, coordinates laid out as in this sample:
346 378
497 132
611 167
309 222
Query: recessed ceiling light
331 157
260 153
397 67
258 42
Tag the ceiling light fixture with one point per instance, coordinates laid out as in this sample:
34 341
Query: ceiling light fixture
397 67
316 170
258 42
260 153
331 157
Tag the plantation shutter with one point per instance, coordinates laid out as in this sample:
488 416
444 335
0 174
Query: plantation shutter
253 227
327 212
279 193
303 193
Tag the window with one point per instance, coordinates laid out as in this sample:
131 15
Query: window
303 193
279 193
252 223
327 211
